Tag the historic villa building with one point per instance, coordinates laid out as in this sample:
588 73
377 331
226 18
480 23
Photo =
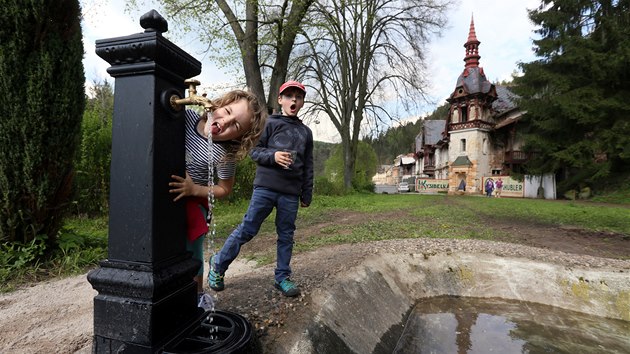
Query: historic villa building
478 138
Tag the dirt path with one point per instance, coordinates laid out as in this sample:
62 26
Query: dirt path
56 316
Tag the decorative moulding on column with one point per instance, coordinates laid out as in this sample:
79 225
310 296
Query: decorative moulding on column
147 52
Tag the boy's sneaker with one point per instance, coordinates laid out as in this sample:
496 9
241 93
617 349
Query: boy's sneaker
288 288
215 280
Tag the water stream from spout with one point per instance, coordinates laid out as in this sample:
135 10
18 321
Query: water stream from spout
212 228
211 223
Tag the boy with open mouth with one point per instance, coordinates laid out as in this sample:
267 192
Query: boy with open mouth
284 180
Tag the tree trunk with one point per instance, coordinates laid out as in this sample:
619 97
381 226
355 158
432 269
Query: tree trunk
348 165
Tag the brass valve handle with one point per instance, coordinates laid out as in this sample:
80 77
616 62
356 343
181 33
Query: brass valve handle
192 86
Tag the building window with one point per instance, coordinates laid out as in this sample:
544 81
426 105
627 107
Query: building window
464 112
463 141
496 172
484 147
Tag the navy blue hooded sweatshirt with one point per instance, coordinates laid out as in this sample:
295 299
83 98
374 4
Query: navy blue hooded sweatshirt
285 133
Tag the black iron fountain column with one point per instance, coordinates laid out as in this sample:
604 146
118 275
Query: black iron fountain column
146 293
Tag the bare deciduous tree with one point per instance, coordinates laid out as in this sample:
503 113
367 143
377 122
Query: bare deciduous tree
260 34
358 57
366 56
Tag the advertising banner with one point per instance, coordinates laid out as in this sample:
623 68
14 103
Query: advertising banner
509 187
429 185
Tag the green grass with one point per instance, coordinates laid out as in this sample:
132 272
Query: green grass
83 242
585 215
441 216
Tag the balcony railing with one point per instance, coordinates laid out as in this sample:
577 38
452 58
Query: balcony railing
516 156
428 168
478 124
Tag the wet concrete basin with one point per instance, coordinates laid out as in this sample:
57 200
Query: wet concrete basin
364 310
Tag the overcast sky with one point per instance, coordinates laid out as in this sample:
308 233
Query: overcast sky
502 27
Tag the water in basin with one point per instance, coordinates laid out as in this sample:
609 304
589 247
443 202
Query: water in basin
449 324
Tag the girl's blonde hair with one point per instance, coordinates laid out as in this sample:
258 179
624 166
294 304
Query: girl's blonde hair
259 115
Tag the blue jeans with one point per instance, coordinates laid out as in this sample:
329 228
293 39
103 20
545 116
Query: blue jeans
260 206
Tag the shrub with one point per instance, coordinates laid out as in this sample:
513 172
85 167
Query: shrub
322 186
91 192
244 185
42 99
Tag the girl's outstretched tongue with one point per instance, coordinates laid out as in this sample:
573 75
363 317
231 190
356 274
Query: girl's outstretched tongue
215 128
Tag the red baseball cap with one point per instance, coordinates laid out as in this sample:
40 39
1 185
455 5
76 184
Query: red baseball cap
291 83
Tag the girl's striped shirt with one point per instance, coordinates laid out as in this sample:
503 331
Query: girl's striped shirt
197 153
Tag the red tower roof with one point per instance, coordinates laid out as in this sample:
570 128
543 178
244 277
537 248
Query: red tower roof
472 80
472 47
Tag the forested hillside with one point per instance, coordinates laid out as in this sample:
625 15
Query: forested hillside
395 141
401 139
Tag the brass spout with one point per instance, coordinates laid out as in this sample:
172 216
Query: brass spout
193 99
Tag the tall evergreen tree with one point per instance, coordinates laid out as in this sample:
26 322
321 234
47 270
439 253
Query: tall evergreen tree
42 99
577 95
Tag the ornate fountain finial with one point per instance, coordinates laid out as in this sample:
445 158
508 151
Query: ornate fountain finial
152 21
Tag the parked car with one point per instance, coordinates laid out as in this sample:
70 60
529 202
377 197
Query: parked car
403 187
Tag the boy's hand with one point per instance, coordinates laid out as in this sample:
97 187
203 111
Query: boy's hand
304 205
183 186
283 158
